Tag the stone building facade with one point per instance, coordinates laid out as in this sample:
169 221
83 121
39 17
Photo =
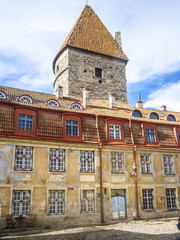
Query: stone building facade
78 159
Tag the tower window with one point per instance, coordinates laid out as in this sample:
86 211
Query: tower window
98 72
100 81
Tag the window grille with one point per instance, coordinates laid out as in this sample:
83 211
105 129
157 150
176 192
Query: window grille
168 164
171 198
87 201
150 135
137 113
87 161
24 158
56 202
21 203
147 199
171 118
145 163
25 123
76 106
57 160
25 99
52 103
117 162
2 95
115 131
72 128
154 115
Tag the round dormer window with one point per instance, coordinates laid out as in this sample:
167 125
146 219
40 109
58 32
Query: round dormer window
53 103
25 99
2 95
76 106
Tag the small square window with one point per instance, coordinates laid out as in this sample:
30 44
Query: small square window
72 128
98 72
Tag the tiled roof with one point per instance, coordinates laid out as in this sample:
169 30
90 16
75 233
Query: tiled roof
97 106
89 33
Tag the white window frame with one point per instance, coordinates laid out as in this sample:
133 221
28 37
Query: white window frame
76 106
114 131
117 162
87 202
171 198
72 127
53 103
145 163
25 122
2 95
148 199
57 160
25 99
21 203
150 135
86 161
23 158
168 164
56 202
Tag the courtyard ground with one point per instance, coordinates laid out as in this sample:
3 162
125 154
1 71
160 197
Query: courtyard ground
158 229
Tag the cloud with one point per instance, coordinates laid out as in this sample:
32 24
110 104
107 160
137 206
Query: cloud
168 96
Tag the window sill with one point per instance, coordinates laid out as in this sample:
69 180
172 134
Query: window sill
146 173
118 173
149 210
25 171
169 174
172 209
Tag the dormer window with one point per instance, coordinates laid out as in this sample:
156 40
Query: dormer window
171 118
76 106
2 95
137 113
154 115
25 99
53 103
98 72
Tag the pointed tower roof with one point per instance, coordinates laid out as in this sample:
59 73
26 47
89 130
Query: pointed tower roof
89 33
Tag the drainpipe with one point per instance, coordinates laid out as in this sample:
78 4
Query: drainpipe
135 169
101 180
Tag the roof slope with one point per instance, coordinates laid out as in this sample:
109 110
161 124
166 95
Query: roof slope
89 33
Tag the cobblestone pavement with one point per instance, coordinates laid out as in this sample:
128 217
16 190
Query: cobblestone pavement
163 229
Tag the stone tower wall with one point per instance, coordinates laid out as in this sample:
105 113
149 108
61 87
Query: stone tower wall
80 67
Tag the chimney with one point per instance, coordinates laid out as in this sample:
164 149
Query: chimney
118 39
112 100
163 108
59 92
86 97
139 103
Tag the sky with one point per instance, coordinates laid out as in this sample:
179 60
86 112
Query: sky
32 32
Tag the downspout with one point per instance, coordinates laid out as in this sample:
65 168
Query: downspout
135 169
101 180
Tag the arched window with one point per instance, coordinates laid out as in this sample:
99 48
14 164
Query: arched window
76 106
53 103
154 115
2 95
25 99
171 118
137 113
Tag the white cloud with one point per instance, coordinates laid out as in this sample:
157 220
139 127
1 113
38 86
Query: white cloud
168 96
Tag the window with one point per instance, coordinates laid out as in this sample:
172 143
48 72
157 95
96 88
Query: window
171 118
137 113
76 106
21 203
53 103
150 135
179 136
72 128
87 201
87 161
57 160
154 115
98 72
171 198
117 162
114 131
2 95
25 99
24 158
56 202
147 199
145 163
25 123
168 164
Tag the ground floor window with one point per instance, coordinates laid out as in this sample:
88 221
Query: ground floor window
56 201
87 201
21 203
147 195
171 198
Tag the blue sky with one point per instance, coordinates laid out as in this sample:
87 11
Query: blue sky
32 33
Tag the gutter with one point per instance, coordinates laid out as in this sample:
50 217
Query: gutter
101 179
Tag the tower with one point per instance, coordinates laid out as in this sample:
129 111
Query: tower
90 57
